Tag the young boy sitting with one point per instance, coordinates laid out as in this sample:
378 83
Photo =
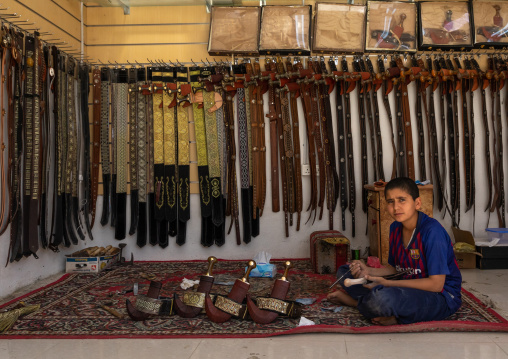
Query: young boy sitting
418 243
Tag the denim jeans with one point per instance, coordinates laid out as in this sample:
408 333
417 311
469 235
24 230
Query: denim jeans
408 305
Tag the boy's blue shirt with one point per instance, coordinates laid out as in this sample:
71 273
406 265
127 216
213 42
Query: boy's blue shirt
430 252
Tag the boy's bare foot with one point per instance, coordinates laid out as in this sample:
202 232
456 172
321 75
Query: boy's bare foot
385 320
341 298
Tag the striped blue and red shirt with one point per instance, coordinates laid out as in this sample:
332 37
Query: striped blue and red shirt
430 252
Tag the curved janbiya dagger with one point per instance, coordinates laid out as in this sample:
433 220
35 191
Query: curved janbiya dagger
193 302
153 293
279 291
237 295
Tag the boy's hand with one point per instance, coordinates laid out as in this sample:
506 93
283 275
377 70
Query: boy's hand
358 269
375 281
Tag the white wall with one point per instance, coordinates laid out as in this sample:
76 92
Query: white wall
271 238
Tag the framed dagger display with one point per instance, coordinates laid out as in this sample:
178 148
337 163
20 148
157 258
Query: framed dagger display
391 26
234 30
490 24
285 30
339 28
445 25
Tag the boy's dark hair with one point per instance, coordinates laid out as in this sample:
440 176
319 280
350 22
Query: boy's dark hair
405 184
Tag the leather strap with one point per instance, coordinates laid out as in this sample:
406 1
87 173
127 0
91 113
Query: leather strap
4 201
121 98
341 139
349 142
158 145
484 83
104 140
362 91
272 117
183 154
96 150
387 86
133 155
142 156
419 121
406 117
202 156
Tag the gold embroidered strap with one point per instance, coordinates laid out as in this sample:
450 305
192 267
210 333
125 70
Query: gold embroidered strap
148 305
229 306
199 125
150 139
194 299
71 138
273 304
61 133
212 142
121 143
141 142
158 124
183 135
133 149
105 127
169 127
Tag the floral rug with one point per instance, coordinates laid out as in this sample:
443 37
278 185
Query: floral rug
71 306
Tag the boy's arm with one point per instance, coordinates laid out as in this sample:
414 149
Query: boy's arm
433 283
359 270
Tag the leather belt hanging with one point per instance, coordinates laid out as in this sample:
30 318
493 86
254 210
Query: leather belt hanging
262 87
15 252
323 126
341 139
104 141
244 145
4 200
483 84
183 153
121 128
85 196
294 93
232 191
472 76
362 90
351 84
272 117
416 71
455 88
170 179
141 145
386 88
406 119
376 85
114 152
148 92
96 149
133 158
202 157
463 84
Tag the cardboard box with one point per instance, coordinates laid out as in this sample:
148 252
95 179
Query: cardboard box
495 257
464 260
89 264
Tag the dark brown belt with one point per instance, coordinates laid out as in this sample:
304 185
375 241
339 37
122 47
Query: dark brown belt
387 86
416 71
408 135
96 149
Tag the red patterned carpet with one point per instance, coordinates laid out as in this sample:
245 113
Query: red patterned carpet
70 307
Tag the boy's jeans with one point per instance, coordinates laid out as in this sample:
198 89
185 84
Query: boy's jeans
408 305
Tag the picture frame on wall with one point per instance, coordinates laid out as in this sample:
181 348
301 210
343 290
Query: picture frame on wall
445 25
339 28
285 30
234 30
391 26
490 24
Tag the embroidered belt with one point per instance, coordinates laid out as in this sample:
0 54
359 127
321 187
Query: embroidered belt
133 156
104 140
231 307
196 299
170 120
286 308
244 144
154 306
183 153
202 157
141 141
121 96
158 144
